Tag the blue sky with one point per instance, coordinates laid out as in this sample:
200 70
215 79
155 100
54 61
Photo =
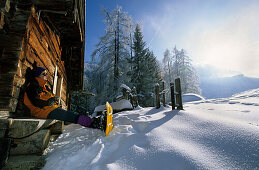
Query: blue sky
222 34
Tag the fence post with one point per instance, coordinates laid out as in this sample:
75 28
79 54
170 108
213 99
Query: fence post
179 94
163 93
125 93
157 95
135 97
172 95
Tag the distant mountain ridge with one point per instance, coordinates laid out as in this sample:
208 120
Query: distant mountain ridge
218 87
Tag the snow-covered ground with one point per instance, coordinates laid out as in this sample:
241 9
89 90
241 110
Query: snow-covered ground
207 134
190 97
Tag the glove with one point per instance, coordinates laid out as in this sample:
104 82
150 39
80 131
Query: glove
53 101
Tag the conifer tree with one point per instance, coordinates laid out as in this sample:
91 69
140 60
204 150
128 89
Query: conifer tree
145 69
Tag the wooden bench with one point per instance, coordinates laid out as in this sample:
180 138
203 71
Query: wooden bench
28 137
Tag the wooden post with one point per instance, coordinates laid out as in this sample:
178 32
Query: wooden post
163 93
135 96
125 93
5 144
59 89
179 94
172 95
157 96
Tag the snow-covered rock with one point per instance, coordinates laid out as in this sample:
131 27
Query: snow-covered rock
190 97
124 86
116 106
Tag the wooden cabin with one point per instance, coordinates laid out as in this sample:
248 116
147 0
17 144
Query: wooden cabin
51 33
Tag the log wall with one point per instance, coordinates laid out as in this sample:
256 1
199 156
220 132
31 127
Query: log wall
41 44
52 35
12 31
31 40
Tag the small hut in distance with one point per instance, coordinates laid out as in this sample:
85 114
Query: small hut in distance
52 34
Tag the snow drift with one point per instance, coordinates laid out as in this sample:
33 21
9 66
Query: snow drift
208 134
190 97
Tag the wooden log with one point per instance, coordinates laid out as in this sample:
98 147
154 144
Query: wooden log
3 128
57 128
2 20
179 95
20 128
157 96
11 42
4 103
163 93
25 162
53 6
2 4
48 36
52 38
42 40
5 88
5 144
40 51
34 144
18 23
172 95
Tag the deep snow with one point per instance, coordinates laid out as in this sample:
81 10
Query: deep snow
207 134
190 97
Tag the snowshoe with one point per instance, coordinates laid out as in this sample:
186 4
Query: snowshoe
99 122
109 121
104 122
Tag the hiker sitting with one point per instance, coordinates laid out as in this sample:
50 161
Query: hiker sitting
43 104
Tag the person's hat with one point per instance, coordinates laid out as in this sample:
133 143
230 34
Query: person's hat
38 71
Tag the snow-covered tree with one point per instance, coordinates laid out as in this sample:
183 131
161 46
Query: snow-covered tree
167 69
183 68
145 69
167 66
112 53
178 64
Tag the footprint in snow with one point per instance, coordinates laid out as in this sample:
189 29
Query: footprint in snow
248 104
133 116
233 102
125 120
245 111
140 126
253 124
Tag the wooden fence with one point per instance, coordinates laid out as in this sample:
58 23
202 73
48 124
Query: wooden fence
176 95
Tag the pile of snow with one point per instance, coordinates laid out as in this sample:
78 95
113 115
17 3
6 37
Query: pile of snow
208 134
124 86
116 106
190 97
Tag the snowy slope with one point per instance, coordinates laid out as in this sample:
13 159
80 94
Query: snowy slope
208 134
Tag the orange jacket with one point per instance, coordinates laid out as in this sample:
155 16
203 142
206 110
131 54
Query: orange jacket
37 98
